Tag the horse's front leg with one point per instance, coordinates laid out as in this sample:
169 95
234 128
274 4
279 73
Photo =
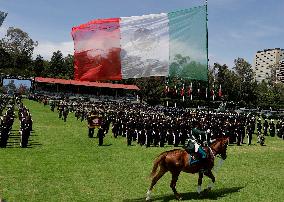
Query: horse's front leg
199 182
211 176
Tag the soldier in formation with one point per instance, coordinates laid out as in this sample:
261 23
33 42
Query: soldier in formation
159 126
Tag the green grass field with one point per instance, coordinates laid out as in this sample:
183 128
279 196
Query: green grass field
63 164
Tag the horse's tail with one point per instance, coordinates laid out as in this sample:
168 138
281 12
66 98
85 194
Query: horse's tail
157 162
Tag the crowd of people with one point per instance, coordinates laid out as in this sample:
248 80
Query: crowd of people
159 125
7 120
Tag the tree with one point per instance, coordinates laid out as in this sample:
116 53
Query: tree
248 91
69 66
23 89
20 48
177 65
151 88
38 66
18 42
3 15
278 92
5 60
273 77
56 68
11 87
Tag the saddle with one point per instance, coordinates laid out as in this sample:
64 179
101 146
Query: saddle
197 157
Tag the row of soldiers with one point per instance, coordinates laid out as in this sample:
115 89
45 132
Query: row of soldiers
26 125
163 125
159 125
7 121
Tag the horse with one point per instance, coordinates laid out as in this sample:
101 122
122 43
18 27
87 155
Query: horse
177 160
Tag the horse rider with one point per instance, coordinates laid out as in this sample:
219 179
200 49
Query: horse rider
194 143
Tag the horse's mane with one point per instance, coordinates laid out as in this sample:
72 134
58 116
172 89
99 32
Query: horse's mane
216 140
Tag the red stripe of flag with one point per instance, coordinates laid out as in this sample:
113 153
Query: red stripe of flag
97 50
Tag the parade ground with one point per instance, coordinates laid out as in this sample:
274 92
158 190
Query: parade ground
63 164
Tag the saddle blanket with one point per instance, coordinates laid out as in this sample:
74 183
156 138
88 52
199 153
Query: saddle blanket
196 157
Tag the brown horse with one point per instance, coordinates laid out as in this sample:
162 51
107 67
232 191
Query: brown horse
177 160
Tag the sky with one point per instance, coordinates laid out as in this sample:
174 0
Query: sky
18 82
236 28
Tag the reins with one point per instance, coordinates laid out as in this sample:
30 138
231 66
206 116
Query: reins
212 152
212 149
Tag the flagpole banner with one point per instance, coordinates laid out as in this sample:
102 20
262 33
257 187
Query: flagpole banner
166 44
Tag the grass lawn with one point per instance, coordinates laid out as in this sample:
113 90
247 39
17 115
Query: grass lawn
63 164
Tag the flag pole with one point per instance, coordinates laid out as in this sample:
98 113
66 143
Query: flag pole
191 91
208 83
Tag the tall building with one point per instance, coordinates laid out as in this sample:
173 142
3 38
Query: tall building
264 60
280 72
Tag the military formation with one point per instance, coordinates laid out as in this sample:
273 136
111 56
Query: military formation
159 126
7 112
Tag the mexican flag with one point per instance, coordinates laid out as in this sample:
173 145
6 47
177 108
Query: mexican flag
165 44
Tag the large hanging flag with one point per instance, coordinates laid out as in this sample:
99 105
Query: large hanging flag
3 15
166 44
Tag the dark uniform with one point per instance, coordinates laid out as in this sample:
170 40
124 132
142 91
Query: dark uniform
101 136
272 129
93 122
259 130
265 127
249 132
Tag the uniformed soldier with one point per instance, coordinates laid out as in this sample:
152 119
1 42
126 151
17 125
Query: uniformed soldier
129 136
93 122
259 129
265 127
272 128
249 132
52 105
101 136
24 132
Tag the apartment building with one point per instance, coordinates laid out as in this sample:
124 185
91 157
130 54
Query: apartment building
264 60
280 72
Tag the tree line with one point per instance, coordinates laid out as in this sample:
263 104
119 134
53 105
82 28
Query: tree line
16 58
238 83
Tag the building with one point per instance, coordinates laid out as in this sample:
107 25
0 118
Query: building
280 72
74 88
265 60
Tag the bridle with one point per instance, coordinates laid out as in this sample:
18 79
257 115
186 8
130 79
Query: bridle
212 149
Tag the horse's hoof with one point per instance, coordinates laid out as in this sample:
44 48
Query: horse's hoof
178 197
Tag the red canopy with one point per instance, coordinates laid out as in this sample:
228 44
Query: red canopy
85 83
